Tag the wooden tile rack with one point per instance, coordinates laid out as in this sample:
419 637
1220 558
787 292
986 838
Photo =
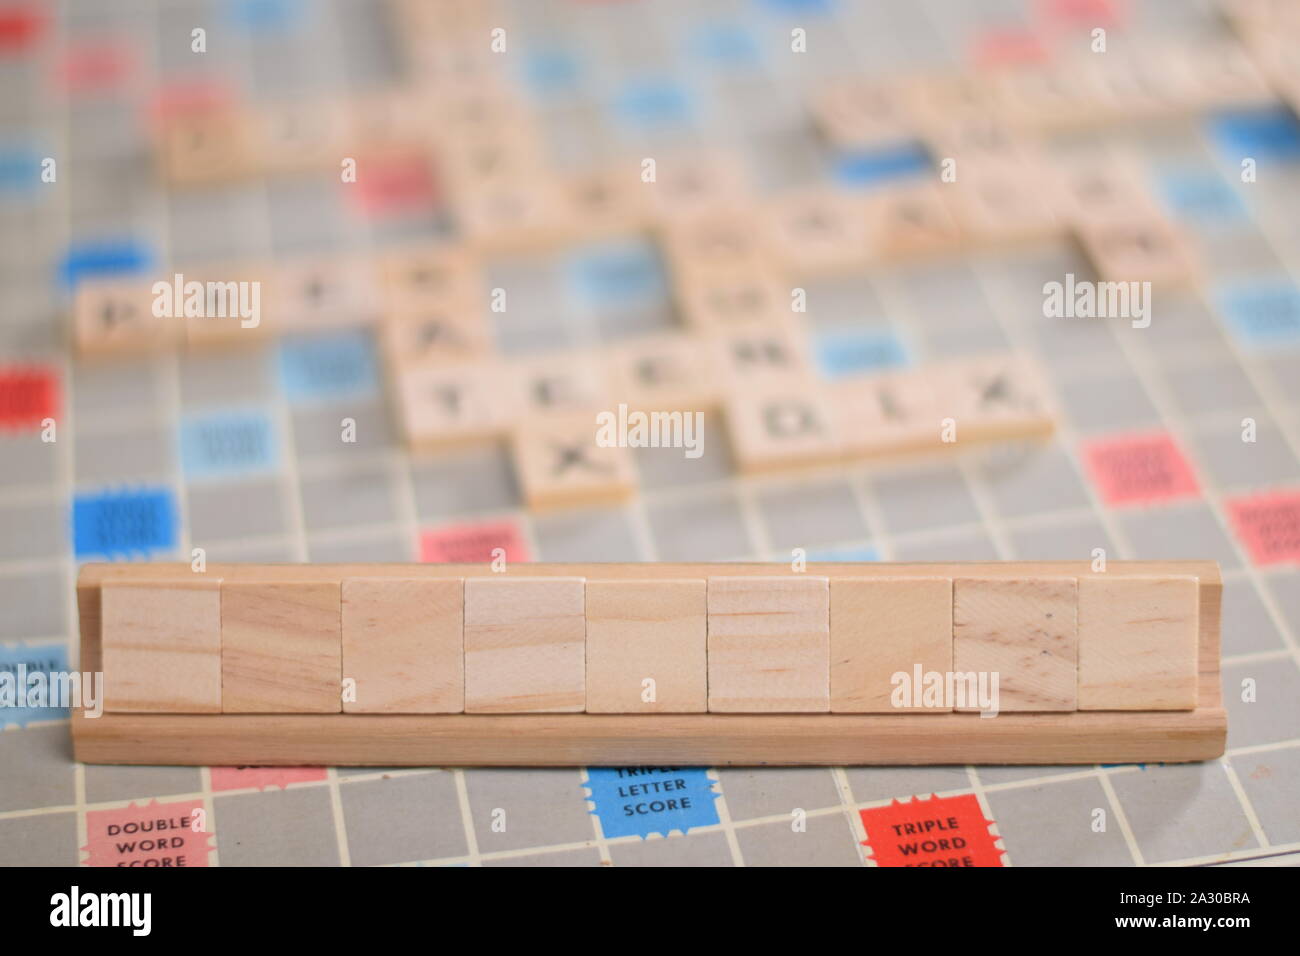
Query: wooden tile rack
631 664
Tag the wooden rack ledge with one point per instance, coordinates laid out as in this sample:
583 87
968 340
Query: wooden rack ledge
635 664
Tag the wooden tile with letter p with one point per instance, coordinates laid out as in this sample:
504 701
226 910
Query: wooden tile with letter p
403 645
769 644
884 626
1138 643
1024 630
162 646
646 647
525 645
281 647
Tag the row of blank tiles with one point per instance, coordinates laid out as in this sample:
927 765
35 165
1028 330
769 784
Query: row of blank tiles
753 644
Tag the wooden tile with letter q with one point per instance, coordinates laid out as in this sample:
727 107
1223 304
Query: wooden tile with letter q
441 406
886 626
281 647
769 644
782 427
1138 642
1146 249
646 647
571 460
1024 631
116 317
525 645
993 398
894 413
403 645
665 372
162 646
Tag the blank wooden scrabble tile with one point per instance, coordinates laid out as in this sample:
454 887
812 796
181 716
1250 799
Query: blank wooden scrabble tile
525 645
769 644
162 646
1138 643
646 649
884 626
789 426
1024 630
281 647
561 461
456 404
994 398
403 645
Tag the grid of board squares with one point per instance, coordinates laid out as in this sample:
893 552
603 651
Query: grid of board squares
795 643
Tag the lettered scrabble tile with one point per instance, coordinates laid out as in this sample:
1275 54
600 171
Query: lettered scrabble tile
787 426
403 645
206 146
862 113
884 626
525 645
116 317
769 644
664 372
1138 643
435 334
162 646
1024 630
994 398
452 405
571 460
1140 249
434 275
887 414
910 221
281 647
818 230
646 649
724 297
1003 204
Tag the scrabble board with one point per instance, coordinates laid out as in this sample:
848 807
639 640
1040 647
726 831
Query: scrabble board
1179 440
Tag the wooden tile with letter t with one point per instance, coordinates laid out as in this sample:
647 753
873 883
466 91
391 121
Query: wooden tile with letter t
769 644
884 626
162 646
525 645
1024 630
403 645
1138 643
646 647
281 647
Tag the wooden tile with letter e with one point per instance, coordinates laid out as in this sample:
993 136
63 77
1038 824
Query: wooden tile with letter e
884 626
668 371
403 645
525 645
573 460
646 647
281 647
162 646
1023 630
1138 643
769 644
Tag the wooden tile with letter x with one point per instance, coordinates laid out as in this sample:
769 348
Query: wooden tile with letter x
1137 643
646 650
769 644
1024 631
281 647
885 626
162 646
403 645
525 645
572 460
994 398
